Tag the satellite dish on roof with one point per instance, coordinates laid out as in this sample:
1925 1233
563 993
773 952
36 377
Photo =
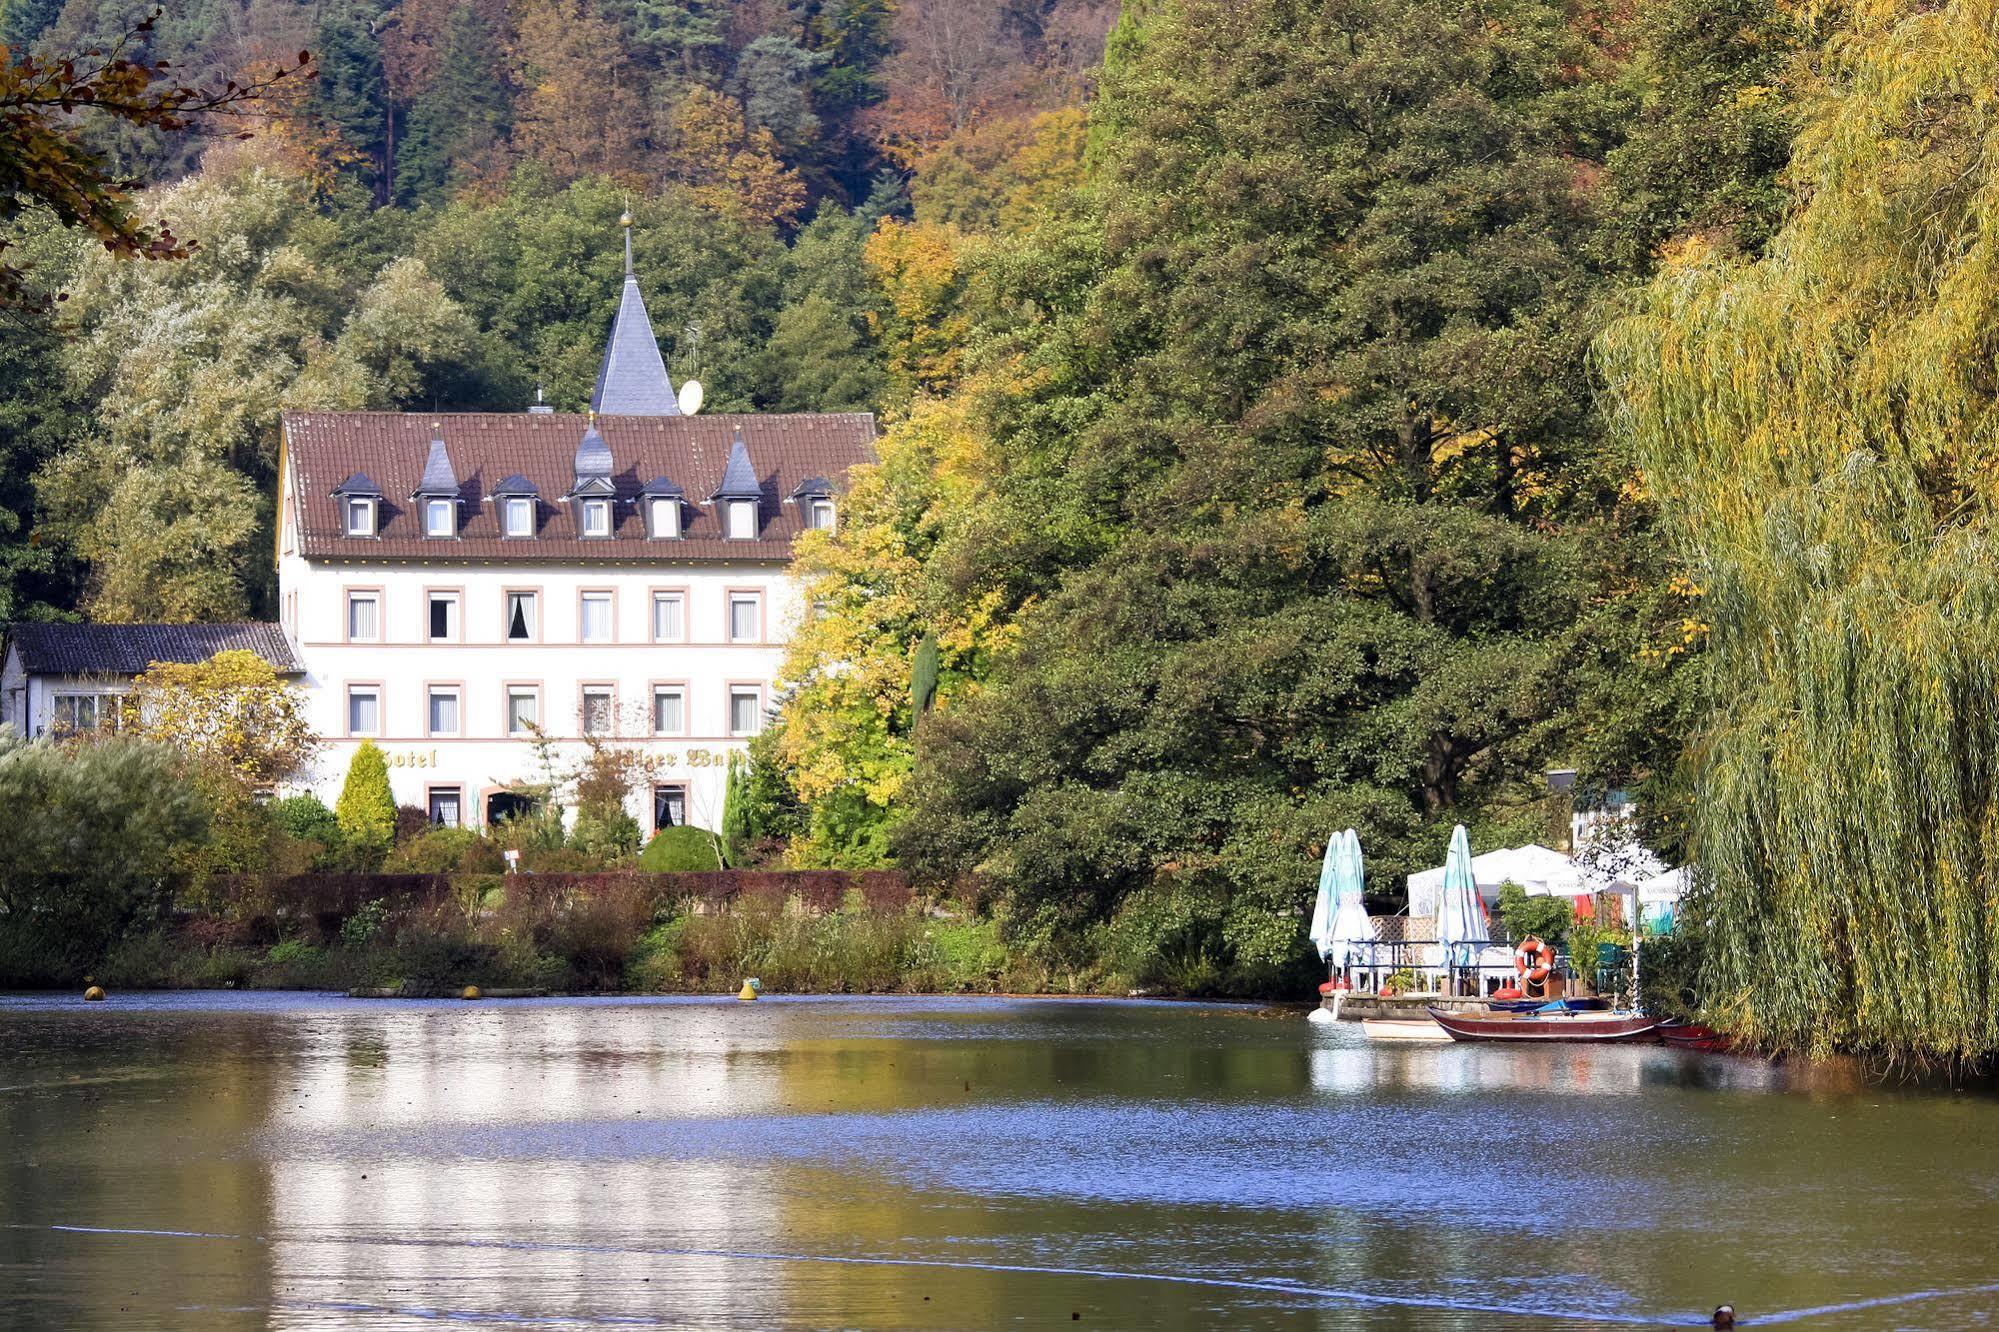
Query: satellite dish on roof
690 397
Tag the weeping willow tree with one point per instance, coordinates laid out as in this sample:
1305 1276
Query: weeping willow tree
1820 429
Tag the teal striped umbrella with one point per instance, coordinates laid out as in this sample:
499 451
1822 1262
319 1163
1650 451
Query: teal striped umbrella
1461 924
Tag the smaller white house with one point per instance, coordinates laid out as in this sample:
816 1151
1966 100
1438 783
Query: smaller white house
67 677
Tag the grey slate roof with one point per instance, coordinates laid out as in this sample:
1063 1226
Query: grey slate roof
739 479
592 457
128 649
439 481
812 487
517 487
359 486
661 488
633 379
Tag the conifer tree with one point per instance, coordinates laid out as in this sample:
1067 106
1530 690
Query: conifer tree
459 125
351 94
366 808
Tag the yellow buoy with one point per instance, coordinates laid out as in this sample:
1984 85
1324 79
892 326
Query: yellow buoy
469 992
94 993
751 989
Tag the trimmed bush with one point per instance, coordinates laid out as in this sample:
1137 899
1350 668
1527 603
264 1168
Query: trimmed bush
366 809
678 850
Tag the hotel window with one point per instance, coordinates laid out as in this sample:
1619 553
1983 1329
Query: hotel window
598 710
819 515
745 611
669 806
361 517
745 711
669 617
446 806
669 711
596 517
440 518
442 709
523 710
364 617
364 711
443 616
742 520
663 517
596 617
521 608
520 518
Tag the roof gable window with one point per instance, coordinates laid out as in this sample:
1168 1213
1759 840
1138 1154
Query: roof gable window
740 493
596 518
438 494
662 500
360 506
517 497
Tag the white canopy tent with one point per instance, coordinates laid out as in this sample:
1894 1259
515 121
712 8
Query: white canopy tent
1539 871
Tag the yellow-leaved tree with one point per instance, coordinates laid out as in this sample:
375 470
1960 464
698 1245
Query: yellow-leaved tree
233 714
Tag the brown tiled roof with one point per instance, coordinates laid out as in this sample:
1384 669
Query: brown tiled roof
324 448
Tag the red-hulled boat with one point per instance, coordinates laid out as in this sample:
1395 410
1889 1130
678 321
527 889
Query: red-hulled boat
1546 1026
1693 1036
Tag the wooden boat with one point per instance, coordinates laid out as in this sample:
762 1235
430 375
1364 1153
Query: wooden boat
1403 1029
1692 1036
1546 1026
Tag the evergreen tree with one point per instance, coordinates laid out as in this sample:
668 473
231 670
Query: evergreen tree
459 125
680 34
351 94
366 809
773 80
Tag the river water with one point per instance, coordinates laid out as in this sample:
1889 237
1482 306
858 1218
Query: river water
305 1161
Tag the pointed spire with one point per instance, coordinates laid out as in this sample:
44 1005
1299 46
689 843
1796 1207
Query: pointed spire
439 480
633 380
739 478
593 456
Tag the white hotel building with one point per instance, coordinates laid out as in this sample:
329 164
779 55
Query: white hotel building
450 584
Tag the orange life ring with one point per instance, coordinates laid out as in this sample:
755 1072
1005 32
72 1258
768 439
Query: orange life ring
1534 960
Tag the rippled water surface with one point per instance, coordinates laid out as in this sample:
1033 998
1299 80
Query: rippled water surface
284 1161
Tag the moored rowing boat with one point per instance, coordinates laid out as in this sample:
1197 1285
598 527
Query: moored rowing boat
1546 1026
1403 1029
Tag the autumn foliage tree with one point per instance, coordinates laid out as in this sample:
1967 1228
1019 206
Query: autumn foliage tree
232 713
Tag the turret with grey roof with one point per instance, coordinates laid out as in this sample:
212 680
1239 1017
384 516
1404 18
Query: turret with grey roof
633 379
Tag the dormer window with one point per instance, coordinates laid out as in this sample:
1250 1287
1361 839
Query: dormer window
661 500
742 520
596 518
814 497
516 497
436 495
819 515
360 506
360 517
663 518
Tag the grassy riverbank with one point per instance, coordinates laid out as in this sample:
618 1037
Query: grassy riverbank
622 939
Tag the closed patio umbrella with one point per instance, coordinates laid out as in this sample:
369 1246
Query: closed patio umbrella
1351 932
1461 924
1321 931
